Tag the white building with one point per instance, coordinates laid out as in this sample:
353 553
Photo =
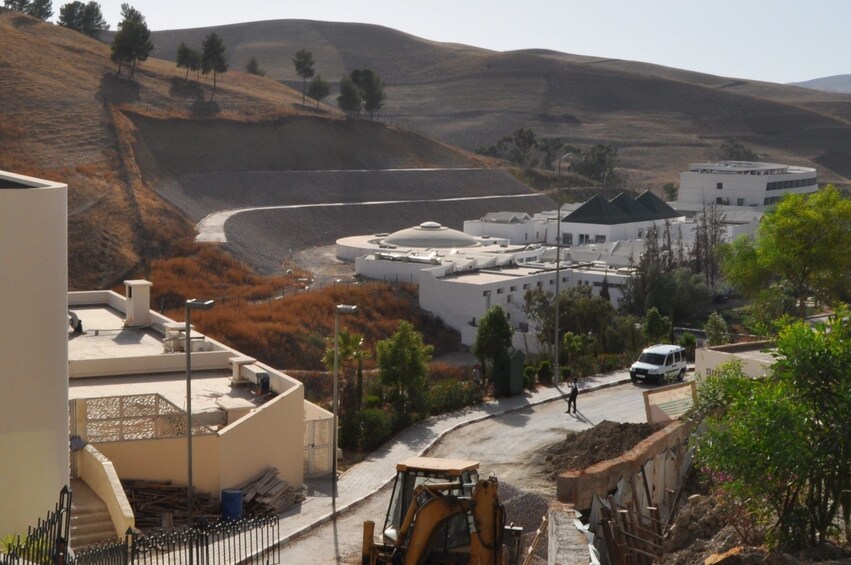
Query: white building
744 183
118 385
33 349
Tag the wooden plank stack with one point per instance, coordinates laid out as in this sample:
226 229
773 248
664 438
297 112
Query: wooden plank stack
159 503
268 494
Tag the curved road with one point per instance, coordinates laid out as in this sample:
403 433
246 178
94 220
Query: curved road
212 228
506 445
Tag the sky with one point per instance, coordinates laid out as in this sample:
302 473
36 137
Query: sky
776 41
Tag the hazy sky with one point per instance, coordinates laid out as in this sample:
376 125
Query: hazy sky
777 41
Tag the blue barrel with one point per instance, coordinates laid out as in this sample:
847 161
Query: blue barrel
231 504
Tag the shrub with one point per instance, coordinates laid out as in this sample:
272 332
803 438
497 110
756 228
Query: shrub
450 394
689 343
373 428
545 372
530 375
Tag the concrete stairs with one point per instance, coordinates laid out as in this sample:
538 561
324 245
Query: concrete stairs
90 521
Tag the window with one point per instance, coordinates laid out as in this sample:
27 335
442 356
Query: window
584 238
513 289
527 286
567 239
640 233
719 185
500 290
740 201
599 239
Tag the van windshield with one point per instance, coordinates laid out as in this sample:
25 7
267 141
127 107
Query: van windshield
652 358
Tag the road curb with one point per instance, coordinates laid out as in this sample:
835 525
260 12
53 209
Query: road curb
328 517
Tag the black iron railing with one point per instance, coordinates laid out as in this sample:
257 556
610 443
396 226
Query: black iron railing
244 541
47 542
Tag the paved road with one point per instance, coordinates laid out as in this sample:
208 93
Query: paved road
506 444
212 228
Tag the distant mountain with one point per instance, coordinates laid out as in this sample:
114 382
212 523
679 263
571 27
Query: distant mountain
660 118
835 83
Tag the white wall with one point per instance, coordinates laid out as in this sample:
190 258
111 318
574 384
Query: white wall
33 351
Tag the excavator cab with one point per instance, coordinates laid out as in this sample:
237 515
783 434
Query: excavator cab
442 513
459 477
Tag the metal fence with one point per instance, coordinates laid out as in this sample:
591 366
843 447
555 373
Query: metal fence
47 542
243 542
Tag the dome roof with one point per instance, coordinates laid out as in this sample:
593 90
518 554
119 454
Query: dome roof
430 234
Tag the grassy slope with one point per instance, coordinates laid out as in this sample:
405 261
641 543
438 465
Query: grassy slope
661 118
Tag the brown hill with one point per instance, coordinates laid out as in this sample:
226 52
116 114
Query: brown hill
66 114
660 118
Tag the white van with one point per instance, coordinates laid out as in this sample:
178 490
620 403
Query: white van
660 364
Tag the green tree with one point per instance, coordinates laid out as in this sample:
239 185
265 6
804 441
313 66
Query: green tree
493 336
403 366
371 90
539 308
349 99
318 89
84 18
734 150
188 58
716 330
350 357
41 9
253 67
132 42
213 57
599 163
805 241
657 328
671 190
303 61
781 447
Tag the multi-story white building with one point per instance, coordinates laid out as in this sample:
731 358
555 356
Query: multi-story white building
744 183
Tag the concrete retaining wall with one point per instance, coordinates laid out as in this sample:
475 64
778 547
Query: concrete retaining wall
579 487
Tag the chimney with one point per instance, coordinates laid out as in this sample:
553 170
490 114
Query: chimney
138 305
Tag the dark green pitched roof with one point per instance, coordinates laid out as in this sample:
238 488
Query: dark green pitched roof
622 209
657 206
598 210
632 208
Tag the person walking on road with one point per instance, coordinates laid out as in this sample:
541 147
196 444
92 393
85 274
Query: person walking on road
571 398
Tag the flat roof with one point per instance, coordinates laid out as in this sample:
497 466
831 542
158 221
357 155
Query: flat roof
106 337
449 466
207 388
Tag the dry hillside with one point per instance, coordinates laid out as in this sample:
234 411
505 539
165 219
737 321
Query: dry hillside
122 143
660 118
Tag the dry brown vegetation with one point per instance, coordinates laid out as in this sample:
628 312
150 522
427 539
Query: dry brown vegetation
278 319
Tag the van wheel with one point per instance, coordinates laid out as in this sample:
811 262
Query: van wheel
682 375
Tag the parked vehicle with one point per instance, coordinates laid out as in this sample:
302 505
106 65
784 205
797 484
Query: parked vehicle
660 364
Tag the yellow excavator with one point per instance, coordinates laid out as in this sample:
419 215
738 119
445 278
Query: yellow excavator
442 513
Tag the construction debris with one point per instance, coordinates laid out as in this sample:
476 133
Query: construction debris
158 504
268 494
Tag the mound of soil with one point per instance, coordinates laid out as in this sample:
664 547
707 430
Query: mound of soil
606 440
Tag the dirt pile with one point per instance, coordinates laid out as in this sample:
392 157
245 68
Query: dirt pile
604 441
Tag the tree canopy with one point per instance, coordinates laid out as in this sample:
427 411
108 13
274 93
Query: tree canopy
349 99
252 66
734 150
361 90
493 336
403 365
213 57
319 88
303 61
780 447
805 241
84 18
41 9
132 43
188 58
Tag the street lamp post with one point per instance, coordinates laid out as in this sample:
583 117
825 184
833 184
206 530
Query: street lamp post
340 309
191 304
557 368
